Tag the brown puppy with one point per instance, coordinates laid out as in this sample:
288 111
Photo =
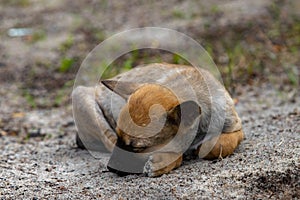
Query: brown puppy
147 114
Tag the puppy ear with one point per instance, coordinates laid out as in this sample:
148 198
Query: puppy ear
122 88
185 112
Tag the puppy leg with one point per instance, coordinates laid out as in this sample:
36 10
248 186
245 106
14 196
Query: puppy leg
224 146
162 162
93 129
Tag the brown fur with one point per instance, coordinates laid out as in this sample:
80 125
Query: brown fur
140 102
135 116
140 105
225 145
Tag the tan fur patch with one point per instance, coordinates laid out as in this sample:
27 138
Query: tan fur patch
144 98
226 144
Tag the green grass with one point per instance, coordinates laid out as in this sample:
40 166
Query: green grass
138 57
215 9
177 59
61 97
292 75
66 64
38 35
178 14
29 98
67 44
20 3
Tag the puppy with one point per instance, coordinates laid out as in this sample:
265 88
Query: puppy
159 112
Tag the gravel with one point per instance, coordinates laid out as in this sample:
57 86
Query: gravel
266 164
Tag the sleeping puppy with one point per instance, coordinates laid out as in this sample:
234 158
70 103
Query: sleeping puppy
152 115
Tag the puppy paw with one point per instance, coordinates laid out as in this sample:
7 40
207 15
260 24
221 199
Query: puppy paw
224 146
162 163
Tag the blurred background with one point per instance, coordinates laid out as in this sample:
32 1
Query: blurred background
44 42
255 44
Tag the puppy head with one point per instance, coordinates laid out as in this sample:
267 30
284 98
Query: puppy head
152 114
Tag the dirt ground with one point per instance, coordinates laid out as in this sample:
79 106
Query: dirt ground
39 158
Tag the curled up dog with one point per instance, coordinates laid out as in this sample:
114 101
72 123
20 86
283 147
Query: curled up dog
153 115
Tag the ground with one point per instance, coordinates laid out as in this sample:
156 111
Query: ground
258 56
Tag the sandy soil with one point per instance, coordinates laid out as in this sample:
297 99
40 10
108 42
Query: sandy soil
265 165
39 158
